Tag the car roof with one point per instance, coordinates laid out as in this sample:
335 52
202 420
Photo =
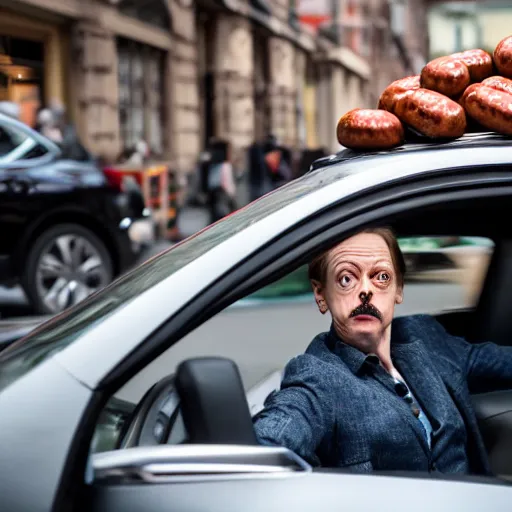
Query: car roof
469 140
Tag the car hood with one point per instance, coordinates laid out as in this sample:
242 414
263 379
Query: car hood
14 329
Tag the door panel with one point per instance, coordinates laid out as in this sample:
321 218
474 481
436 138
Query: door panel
494 413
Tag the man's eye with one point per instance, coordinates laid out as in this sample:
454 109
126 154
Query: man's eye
345 280
383 276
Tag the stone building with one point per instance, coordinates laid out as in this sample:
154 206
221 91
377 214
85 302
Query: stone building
176 72
400 43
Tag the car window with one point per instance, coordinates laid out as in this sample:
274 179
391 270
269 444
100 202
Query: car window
36 152
16 145
262 332
10 139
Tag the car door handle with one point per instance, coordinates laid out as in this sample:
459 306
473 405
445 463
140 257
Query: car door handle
152 464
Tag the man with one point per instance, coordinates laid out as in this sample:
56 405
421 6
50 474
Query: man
375 393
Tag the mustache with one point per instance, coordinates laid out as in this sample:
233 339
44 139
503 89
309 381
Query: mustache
367 309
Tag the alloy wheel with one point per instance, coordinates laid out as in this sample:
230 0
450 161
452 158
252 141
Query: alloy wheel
68 270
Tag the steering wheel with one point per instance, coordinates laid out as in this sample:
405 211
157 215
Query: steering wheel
156 419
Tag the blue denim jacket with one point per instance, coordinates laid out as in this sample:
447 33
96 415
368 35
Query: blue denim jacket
334 409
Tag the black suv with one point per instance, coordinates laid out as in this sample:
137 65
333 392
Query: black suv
68 227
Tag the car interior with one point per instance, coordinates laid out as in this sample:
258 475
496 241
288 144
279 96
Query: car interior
213 387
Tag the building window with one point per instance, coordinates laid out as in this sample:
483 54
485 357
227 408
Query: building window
141 95
154 12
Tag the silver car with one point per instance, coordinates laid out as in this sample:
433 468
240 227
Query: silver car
140 397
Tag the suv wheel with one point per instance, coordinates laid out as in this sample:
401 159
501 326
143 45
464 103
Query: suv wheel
64 266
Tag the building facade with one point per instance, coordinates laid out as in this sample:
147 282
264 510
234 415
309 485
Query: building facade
176 72
458 26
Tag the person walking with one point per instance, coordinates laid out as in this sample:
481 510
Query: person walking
221 181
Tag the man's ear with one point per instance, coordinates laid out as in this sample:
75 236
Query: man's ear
318 290
399 296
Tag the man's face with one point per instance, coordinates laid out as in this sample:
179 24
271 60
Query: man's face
361 288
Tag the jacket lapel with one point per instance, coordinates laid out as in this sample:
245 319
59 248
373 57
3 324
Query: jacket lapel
477 452
402 407
430 383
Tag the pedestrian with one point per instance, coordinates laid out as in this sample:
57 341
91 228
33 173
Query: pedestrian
48 126
221 181
72 148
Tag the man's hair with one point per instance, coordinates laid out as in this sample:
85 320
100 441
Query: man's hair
318 267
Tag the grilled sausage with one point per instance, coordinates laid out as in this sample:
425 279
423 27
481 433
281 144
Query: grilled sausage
430 113
479 63
499 83
490 107
388 97
447 75
503 57
369 129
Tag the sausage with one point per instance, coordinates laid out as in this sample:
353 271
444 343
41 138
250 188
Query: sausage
388 97
490 107
447 75
479 63
369 129
499 83
431 114
503 57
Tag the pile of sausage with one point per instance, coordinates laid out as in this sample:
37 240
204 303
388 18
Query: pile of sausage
466 91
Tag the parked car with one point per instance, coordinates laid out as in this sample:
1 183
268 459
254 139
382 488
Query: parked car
68 227
107 407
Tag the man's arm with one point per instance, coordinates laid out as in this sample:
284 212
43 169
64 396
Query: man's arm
488 366
301 413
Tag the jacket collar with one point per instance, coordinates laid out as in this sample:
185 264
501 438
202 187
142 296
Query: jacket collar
355 359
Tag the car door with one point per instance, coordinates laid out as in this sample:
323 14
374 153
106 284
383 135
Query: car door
120 492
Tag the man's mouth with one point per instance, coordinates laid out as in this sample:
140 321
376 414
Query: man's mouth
366 310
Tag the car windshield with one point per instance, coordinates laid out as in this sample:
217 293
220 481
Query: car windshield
67 327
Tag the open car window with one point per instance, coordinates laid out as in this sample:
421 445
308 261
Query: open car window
263 331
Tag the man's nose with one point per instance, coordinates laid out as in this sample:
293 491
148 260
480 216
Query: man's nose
365 297
365 293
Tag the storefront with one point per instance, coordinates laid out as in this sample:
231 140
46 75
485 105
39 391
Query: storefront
31 63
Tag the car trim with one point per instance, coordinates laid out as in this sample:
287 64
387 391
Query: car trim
162 464
139 318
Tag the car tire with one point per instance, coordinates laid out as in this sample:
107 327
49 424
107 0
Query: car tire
63 266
